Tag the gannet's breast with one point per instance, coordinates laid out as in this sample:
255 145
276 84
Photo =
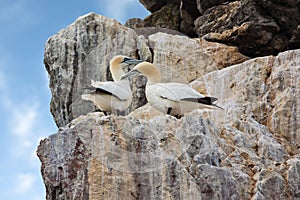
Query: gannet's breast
110 96
107 102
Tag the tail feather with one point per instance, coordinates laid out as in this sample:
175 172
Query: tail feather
206 101
209 101
203 100
218 106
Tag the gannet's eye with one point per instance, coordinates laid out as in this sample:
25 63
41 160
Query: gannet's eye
131 61
125 59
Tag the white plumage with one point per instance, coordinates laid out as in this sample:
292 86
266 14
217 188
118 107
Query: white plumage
112 96
170 98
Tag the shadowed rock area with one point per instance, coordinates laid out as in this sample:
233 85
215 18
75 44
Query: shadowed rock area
249 150
257 28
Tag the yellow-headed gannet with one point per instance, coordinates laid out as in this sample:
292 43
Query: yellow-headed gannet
170 98
112 96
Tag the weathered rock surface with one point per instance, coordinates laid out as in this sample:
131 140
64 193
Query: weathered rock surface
257 28
251 150
166 17
154 5
183 59
82 51
242 24
248 151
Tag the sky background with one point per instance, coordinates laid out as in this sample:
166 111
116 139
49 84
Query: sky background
24 93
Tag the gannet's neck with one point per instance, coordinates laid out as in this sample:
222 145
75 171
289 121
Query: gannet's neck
155 76
150 71
116 71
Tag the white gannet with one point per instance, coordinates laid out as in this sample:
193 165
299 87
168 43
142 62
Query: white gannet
112 96
170 98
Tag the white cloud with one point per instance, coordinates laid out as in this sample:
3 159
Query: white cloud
25 183
118 9
22 116
24 129
23 120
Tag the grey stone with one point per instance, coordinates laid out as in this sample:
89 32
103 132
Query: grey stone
249 150
81 52
238 153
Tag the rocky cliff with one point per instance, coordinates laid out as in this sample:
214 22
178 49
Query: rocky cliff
256 27
82 51
248 151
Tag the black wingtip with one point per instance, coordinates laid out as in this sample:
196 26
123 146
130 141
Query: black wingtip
204 100
207 100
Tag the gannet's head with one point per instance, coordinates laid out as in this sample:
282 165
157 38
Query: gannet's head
147 69
120 59
117 64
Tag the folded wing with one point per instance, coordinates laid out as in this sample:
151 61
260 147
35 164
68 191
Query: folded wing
119 89
182 92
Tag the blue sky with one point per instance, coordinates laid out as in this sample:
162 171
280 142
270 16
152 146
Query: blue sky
24 94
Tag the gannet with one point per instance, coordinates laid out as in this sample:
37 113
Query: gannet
170 98
113 96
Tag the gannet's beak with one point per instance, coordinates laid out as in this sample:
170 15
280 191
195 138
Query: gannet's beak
131 61
133 72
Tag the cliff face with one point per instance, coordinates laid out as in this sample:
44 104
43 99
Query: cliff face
248 151
82 51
